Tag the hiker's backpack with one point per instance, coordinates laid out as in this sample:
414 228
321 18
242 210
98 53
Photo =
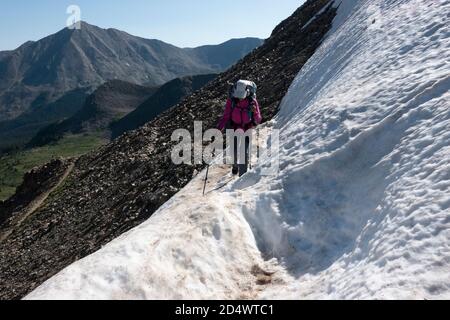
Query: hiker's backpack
243 89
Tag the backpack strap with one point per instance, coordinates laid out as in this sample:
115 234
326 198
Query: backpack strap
233 104
251 103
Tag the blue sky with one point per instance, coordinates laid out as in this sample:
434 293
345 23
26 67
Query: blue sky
185 23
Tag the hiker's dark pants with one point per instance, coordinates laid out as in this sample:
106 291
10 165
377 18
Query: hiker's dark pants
242 165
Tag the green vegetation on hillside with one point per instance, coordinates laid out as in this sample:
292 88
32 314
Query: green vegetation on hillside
13 166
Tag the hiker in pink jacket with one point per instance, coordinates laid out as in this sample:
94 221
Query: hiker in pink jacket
242 111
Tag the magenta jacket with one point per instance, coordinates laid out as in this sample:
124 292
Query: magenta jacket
240 117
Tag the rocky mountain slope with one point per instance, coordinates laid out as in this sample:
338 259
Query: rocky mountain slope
164 98
38 183
119 186
111 101
40 73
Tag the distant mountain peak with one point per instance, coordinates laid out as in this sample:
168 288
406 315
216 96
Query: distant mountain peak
39 73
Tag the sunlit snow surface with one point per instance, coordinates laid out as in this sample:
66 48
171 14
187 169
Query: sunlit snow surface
361 206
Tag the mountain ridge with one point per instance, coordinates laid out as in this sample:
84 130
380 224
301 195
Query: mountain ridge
111 101
39 73
164 98
118 106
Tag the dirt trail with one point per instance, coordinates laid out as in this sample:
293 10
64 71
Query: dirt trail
34 205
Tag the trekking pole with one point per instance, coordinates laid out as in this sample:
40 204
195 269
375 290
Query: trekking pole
250 153
257 143
207 171
206 180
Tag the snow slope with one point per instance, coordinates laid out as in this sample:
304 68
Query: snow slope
363 197
192 248
361 206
